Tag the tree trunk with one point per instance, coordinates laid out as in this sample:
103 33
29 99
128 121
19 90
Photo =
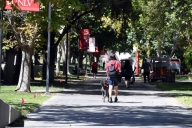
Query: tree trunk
73 60
98 61
63 55
64 50
44 65
159 49
174 47
68 57
25 72
52 64
37 58
51 68
9 67
32 71
91 60
59 54
97 58
52 58
80 60
18 66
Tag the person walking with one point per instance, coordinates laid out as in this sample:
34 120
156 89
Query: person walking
112 70
146 70
94 68
127 69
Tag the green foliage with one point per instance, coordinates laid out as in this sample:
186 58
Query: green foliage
117 25
68 12
162 22
39 74
183 77
188 58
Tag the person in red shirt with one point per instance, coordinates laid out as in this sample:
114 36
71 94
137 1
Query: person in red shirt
94 68
112 79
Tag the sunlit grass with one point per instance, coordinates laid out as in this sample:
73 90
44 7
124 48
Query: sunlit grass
183 88
183 77
31 100
38 93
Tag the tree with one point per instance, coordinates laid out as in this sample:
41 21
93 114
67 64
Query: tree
93 20
28 32
25 33
161 25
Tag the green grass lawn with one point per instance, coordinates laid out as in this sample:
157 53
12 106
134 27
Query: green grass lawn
184 90
183 77
31 100
38 94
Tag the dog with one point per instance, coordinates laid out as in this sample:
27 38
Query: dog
105 89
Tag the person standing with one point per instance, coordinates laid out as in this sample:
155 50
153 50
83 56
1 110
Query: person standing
146 70
112 70
127 69
94 68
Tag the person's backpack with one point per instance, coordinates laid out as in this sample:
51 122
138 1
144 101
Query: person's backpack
112 71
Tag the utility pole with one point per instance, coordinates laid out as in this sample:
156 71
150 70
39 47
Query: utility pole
1 33
48 49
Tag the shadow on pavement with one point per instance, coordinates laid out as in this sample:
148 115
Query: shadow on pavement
71 109
103 115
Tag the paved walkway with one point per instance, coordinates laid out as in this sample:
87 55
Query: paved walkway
81 106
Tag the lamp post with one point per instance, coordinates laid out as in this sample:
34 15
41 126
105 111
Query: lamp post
48 49
1 32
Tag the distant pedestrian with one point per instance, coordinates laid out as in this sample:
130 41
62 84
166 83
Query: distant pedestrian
127 69
112 70
94 66
146 70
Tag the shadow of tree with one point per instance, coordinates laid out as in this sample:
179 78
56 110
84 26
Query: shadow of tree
104 115
129 114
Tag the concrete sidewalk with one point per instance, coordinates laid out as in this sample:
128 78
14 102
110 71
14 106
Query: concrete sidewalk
81 106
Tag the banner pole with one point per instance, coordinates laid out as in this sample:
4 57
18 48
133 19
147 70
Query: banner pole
48 49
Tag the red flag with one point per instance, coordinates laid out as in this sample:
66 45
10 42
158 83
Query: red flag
22 101
24 5
35 95
84 39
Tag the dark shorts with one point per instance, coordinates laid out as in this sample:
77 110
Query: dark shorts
128 76
94 70
113 81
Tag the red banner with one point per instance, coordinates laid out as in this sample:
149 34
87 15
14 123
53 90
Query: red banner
24 5
137 63
84 39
